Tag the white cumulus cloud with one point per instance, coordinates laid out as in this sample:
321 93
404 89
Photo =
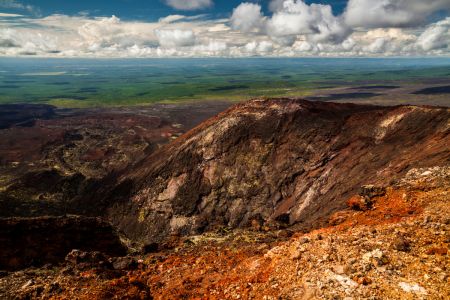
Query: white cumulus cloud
189 4
315 21
391 13
276 5
175 38
436 36
247 17
290 28
258 48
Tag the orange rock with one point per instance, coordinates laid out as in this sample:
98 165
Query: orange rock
364 280
437 251
358 203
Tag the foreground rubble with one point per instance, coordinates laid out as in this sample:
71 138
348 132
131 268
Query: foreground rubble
397 249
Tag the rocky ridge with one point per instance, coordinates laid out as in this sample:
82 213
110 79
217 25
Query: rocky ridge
276 162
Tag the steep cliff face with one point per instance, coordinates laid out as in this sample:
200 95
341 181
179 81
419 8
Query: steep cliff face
278 161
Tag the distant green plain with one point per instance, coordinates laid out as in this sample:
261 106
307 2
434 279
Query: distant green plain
75 83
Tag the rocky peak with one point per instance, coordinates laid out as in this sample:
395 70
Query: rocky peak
281 162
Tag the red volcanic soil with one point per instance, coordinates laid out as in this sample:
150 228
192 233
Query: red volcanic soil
273 198
396 250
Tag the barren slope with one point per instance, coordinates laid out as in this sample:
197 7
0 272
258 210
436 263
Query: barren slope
257 178
398 249
275 162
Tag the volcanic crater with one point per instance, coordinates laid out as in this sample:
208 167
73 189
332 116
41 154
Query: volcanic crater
269 163
276 162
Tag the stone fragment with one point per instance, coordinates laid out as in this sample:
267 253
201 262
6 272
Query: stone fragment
437 251
27 284
412 288
359 203
124 263
401 244
371 191
82 260
376 257
364 280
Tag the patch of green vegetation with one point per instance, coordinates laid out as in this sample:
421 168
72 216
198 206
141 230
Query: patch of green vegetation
69 103
136 82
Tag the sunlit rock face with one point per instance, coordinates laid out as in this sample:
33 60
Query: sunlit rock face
283 162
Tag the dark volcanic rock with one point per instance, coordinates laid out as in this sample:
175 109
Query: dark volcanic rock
375 87
401 244
43 167
434 90
37 241
124 263
364 200
86 260
46 184
284 159
23 114
344 96
371 191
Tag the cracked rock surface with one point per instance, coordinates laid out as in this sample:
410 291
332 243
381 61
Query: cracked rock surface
277 162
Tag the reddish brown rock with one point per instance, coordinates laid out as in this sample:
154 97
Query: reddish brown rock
278 159
359 203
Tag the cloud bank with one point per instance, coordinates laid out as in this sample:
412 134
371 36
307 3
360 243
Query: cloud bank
291 28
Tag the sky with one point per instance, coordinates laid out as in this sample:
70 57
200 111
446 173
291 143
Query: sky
224 28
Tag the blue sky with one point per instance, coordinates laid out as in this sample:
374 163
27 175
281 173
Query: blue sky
142 9
224 28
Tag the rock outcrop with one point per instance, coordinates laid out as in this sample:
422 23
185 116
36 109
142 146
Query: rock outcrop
277 162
